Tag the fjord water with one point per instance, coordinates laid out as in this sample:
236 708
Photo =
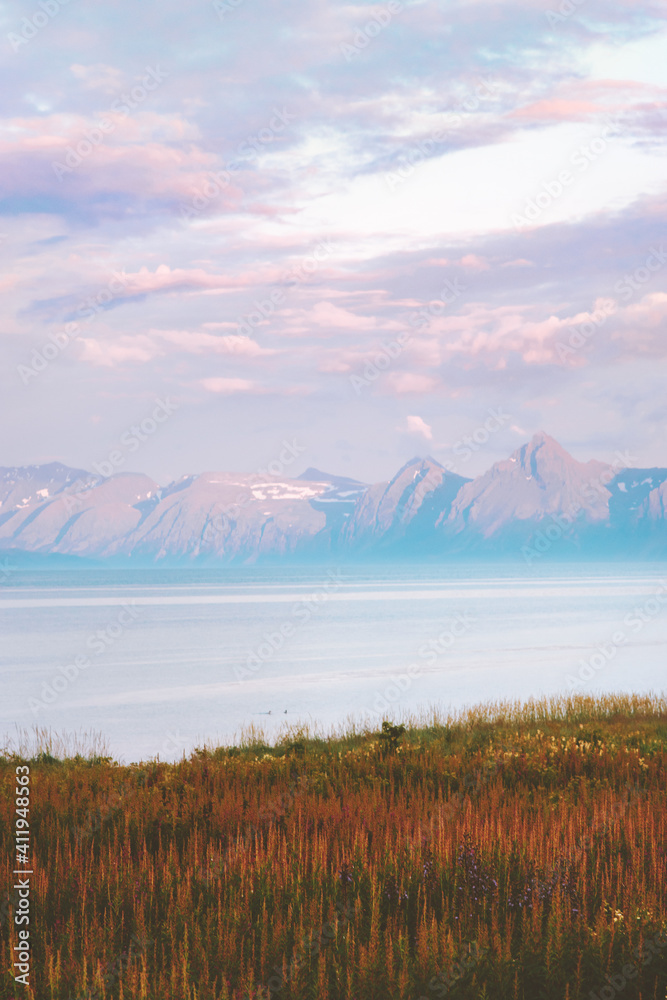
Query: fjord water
168 659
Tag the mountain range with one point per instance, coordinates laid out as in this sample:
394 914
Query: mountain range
539 500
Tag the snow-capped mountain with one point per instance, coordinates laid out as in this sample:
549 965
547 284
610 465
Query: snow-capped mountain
219 515
37 483
539 492
638 495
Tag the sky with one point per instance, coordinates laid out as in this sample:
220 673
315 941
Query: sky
367 231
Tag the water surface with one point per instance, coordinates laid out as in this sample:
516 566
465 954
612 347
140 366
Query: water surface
161 660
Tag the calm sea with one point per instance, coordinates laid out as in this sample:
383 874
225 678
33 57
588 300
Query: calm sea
161 661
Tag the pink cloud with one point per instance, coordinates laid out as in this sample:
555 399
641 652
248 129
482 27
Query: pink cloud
424 351
327 317
166 279
558 109
474 262
650 311
587 100
208 343
404 383
109 353
139 156
490 334
230 386
113 350
327 314
334 366
236 386
643 326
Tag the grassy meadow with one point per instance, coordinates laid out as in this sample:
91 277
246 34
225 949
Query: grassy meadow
512 852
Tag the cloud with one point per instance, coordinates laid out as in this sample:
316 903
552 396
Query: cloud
418 426
189 280
98 76
558 109
405 383
231 386
193 342
474 262
146 161
240 386
167 279
329 315
113 349
109 354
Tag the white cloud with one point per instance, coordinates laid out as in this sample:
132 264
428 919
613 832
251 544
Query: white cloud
418 426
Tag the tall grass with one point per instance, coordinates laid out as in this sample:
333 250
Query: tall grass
41 742
512 851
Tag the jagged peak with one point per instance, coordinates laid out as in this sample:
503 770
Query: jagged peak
543 440
418 462
540 449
